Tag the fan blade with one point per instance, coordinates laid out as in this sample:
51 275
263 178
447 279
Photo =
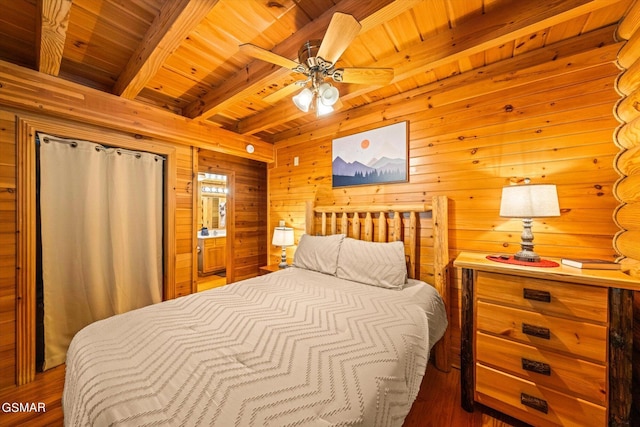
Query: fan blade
342 30
268 56
365 76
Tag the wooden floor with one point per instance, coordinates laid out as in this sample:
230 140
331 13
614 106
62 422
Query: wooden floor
210 282
437 405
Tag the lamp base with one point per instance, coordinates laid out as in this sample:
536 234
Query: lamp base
527 255
283 259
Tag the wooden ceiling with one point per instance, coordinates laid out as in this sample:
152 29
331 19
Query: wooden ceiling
183 55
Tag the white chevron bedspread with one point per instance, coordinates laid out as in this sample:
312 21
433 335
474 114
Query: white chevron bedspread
291 348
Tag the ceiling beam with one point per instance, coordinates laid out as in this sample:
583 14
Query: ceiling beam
52 33
32 91
258 74
175 21
476 35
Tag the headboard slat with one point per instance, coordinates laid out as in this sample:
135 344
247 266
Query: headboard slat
413 244
324 223
334 224
356 225
397 225
382 227
368 227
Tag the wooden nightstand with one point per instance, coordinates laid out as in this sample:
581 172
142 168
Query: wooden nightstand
534 342
266 269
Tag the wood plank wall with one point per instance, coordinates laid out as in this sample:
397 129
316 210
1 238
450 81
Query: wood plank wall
545 115
8 231
249 247
185 260
627 163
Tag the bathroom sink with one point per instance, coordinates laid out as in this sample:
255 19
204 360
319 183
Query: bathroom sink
213 234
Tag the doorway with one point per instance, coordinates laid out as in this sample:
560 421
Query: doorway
213 226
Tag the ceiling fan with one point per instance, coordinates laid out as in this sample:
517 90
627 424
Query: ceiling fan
317 59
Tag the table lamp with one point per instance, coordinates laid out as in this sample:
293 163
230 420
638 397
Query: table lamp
282 236
529 201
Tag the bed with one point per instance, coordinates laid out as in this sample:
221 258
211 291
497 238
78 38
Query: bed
341 338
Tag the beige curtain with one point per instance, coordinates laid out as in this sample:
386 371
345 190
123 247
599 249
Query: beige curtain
101 223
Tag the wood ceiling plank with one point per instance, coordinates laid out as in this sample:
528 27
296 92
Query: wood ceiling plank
606 15
431 18
125 18
486 31
460 11
172 25
375 40
476 35
101 35
530 42
18 33
54 20
567 29
250 79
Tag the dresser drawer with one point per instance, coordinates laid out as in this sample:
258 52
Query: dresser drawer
585 340
563 373
545 296
534 404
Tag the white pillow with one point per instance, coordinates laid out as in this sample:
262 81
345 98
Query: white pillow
371 263
318 253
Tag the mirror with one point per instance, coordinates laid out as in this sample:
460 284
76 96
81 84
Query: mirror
213 202
212 230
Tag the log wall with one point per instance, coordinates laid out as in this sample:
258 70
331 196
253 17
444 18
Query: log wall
544 115
627 164
627 138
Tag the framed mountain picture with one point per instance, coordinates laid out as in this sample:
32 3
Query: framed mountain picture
376 156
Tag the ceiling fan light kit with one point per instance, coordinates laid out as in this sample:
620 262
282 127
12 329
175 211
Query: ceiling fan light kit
316 61
321 97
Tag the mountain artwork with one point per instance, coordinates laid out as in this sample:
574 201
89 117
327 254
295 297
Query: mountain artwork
371 157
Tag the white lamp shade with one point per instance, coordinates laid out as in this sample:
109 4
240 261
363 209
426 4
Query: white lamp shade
303 99
529 201
282 236
322 109
328 94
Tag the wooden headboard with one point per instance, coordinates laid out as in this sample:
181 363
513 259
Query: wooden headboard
386 223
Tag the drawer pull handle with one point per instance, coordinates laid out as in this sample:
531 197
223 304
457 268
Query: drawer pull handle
537 367
536 331
536 295
534 402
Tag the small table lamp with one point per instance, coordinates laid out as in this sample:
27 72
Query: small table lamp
282 236
529 201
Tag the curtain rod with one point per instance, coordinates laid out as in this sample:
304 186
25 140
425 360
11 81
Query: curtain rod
99 147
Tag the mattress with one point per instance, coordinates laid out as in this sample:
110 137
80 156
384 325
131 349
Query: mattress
295 347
